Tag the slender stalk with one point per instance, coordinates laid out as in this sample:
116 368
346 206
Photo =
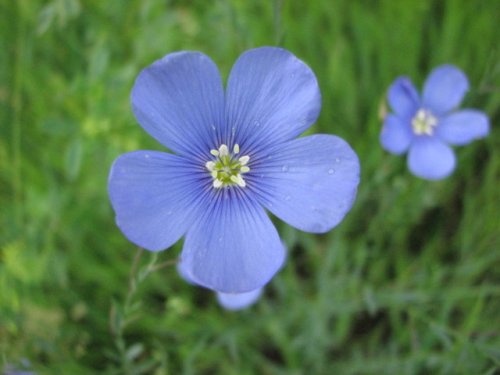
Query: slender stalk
121 317
16 109
277 21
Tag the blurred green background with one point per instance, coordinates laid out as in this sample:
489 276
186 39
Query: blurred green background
409 283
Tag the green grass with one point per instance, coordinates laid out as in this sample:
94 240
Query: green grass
409 283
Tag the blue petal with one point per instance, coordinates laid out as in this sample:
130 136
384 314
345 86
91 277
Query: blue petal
396 134
271 97
184 273
403 97
233 247
179 100
154 195
430 158
463 127
231 301
444 89
309 182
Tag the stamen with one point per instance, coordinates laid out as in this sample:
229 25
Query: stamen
210 165
238 180
226 169
241 182
244 160
223 150
424 122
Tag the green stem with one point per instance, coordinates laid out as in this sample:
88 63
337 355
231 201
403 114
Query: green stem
127 313
16 108
277 21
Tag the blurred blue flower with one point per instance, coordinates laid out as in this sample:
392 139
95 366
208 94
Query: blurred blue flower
238 301
11 369
229 301
235 156
426 125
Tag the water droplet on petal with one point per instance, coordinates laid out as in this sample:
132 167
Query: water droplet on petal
284 168
213 127
331 171
146 156
256 123
337 160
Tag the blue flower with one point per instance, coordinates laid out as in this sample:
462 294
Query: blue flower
235 155
238 301
21 369
229 301
427 125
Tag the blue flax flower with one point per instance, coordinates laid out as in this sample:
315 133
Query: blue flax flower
235 155
238 301
229 301
426 125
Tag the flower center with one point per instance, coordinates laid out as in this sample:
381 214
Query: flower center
227 168
424 122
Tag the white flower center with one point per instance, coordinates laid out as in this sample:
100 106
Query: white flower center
227 168
424 122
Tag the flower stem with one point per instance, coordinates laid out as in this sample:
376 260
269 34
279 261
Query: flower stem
122 316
